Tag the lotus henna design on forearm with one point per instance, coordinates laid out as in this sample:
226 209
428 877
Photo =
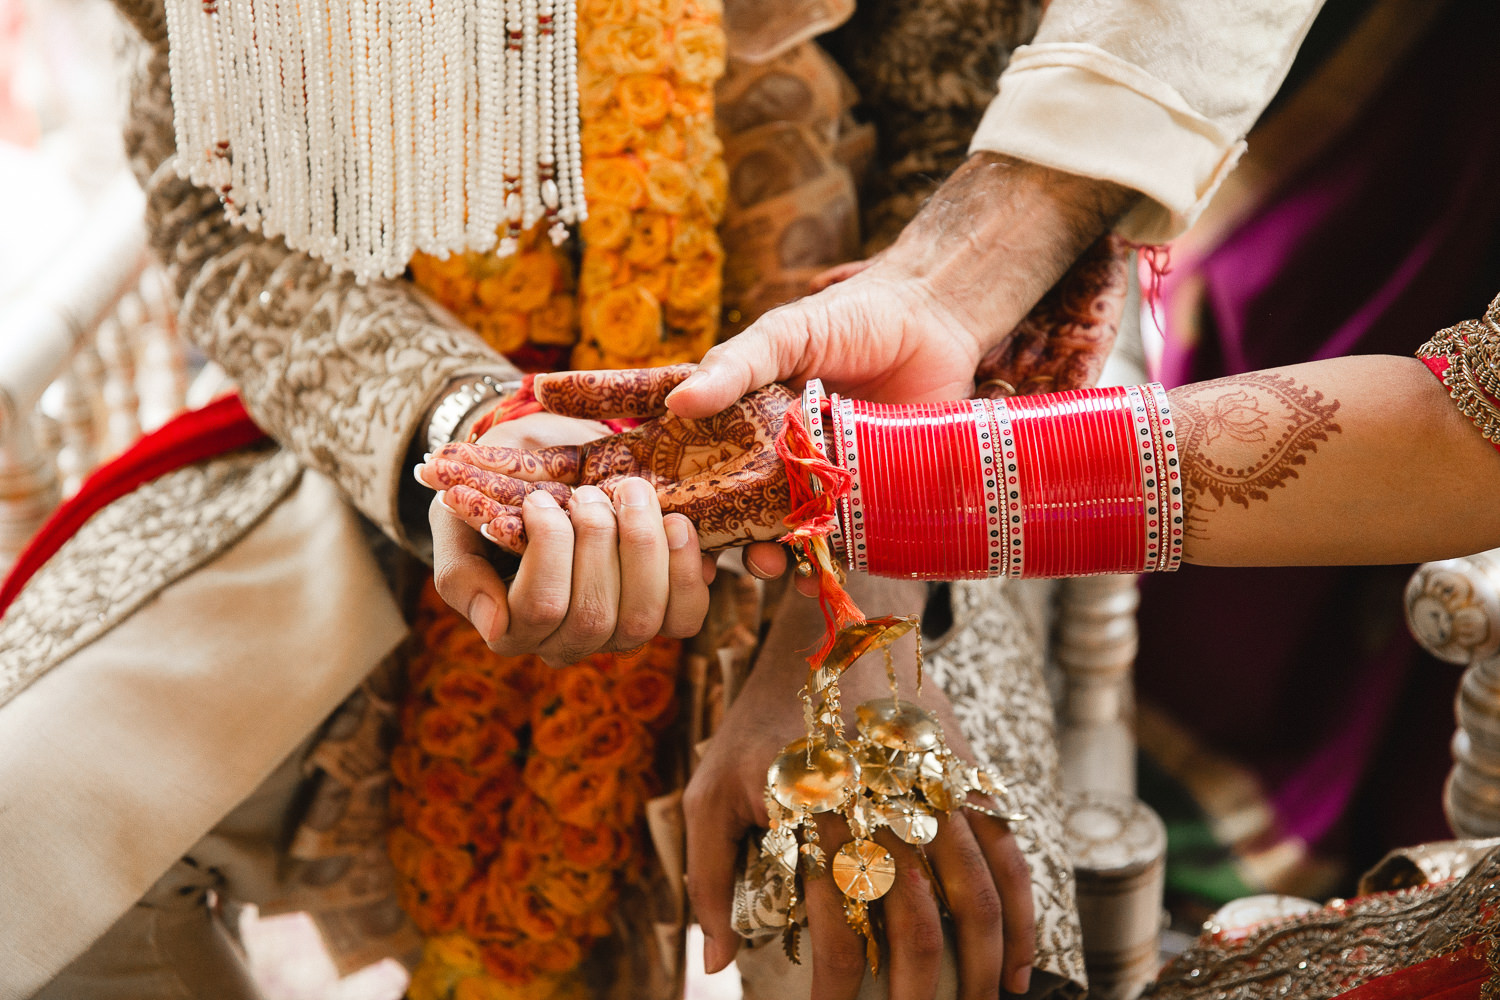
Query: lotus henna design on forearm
1245 435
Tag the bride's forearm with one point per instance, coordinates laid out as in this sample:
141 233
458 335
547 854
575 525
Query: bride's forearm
1343 461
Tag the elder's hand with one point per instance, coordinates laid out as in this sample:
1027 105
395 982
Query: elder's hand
982 871
601 574
721 472
913 324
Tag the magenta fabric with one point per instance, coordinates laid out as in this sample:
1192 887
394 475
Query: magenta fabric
1309 675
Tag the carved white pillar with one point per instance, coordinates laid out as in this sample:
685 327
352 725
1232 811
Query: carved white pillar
1453 609
1094 648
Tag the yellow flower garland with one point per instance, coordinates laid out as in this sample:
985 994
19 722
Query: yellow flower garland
519 789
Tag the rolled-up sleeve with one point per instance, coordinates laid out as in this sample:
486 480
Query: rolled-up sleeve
1156 96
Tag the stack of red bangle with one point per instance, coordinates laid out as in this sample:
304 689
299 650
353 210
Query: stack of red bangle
1064 484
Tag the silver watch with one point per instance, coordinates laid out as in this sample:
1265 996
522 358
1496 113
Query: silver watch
458 404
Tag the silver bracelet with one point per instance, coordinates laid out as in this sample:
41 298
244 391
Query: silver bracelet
449 414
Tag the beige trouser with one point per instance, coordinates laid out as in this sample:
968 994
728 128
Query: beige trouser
177 943
179 733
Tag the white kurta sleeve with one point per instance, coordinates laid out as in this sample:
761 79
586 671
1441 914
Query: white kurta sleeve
1155 95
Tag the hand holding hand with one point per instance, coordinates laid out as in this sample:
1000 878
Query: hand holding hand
911 324
722 472
604 574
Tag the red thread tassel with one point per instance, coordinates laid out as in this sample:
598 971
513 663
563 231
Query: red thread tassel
812 519
523 403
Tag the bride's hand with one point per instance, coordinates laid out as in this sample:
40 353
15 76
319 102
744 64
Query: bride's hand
721 472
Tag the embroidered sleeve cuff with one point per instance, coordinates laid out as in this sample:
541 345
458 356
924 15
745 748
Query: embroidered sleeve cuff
1466 357
1140 132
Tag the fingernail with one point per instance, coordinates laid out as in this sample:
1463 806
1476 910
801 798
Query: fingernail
542 498
590 494
484 529
697 378
716 955
678 532
1020 980
482 614
758 571
416 473
634 493
442 498
427 457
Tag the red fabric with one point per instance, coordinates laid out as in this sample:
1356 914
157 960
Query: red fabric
1457 976
221 426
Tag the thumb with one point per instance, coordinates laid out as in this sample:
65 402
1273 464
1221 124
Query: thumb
757 357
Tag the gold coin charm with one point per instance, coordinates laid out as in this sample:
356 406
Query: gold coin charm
901 725
812 776
781 845
910 821
864 870
885 771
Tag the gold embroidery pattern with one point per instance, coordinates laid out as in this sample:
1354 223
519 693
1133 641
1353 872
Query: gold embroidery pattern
129 551
1344 945
1473 376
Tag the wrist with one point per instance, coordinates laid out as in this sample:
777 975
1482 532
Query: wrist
463 403
997 235
1064 484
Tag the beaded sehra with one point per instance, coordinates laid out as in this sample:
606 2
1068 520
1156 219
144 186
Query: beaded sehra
362 131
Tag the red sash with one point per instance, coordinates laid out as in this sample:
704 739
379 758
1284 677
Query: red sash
221 426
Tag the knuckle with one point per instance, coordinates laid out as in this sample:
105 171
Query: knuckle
589 623
924 936
683 626
570 652
984 907
844 959
636 628
541 611
447 578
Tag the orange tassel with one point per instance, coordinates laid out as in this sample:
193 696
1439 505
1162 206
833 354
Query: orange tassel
812 519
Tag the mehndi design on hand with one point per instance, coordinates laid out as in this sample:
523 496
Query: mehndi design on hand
722 472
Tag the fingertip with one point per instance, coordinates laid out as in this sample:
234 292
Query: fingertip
765 562
710 569
1019 980
718 953
541 498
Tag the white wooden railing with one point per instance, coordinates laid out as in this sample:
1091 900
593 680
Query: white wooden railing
89 357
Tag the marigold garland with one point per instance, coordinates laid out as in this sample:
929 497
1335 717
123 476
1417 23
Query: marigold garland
519 789
517 798
652 268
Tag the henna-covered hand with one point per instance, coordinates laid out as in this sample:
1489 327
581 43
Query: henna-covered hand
722 471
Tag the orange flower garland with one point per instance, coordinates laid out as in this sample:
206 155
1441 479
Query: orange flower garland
519 789
517 798
523 305
654 176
